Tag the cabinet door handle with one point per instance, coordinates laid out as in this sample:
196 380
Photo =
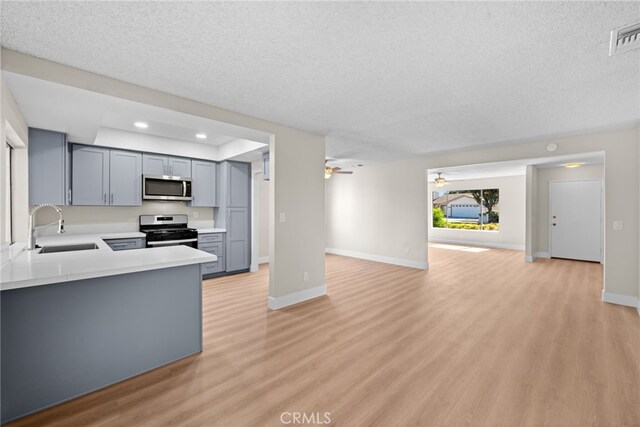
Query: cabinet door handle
104 199
111 198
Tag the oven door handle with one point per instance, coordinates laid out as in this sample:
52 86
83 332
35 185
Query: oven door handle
170 242
184 188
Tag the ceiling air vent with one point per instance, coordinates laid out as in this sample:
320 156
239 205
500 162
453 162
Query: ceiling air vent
625 38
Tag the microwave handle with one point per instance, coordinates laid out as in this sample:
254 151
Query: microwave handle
184 188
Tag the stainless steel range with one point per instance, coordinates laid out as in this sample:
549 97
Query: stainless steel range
168 230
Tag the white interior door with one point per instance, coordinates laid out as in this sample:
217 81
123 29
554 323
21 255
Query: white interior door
575 220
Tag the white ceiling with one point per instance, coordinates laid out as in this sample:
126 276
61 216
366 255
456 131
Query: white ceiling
383 80
513 167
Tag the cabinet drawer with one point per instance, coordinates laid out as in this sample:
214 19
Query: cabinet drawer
125 244
216 248
213 237
212 267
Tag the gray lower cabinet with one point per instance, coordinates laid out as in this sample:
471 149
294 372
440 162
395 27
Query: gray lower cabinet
48 166
125 244
125 178
158 164
213 243
203 183
238 239
103 177
90 176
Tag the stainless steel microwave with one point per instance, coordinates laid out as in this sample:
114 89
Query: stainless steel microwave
164 187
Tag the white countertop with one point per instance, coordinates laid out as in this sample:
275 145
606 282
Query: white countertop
30 268
211 230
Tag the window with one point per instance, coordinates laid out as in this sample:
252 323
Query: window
467 209
8 201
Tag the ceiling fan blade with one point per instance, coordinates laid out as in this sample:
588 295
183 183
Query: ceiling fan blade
344 172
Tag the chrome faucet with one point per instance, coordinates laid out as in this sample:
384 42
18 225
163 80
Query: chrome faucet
33 228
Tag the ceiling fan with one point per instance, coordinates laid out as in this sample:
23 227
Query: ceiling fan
440 181
328 171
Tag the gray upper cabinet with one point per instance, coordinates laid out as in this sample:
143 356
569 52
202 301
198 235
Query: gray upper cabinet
90 175
155 164
158 164
238 248
48 165
125 178
238 180
180 166
203 183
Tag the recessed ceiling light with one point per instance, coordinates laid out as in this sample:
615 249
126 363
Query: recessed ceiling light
141 125
572 165
201 135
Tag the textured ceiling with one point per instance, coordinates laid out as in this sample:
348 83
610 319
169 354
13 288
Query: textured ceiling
381 80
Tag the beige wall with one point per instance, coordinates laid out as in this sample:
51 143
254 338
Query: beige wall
297 161
542 206
382 210
263 219
512 214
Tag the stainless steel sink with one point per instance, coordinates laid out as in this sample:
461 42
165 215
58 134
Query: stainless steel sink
68 248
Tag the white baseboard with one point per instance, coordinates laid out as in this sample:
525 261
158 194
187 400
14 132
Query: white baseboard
528 258
379 258
263 260
621 300
541 255
296 297
480 244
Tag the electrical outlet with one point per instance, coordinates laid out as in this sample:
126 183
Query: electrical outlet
617 225
195 215
306 276
282 217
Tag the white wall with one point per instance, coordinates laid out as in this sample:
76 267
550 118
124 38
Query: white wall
383 209
263 219
512 214
542 197
297 162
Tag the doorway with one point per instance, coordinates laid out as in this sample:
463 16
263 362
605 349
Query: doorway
575 216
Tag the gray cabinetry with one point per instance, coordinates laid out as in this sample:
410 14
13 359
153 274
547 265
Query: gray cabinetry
213 243
233 213
125 244
158 164
238 239
101 177
180 166
155 164
203 183
238 184
90 175
125 178
48 166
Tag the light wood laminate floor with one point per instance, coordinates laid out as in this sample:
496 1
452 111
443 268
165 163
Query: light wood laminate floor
482 338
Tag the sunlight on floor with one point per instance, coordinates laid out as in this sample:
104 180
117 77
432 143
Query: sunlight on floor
458 248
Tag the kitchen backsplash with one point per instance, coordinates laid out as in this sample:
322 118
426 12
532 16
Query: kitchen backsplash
103 219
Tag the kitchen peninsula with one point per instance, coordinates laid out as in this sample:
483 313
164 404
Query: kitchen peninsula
77 321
